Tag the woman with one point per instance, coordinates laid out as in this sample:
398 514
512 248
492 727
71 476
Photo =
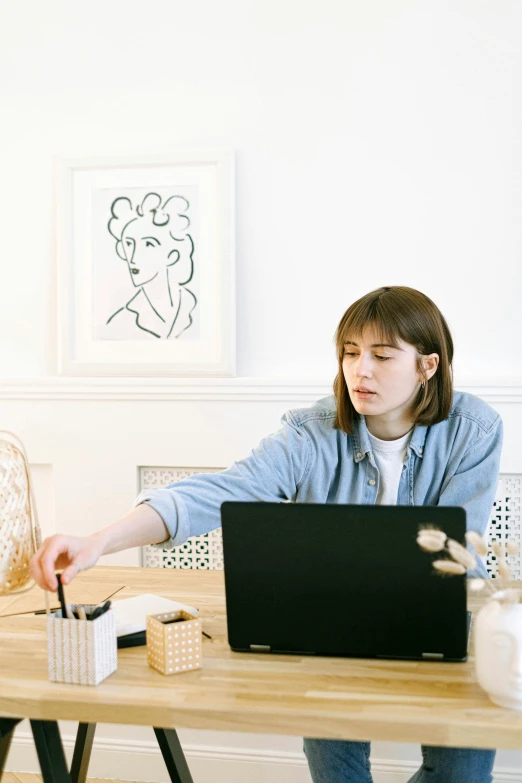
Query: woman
393 433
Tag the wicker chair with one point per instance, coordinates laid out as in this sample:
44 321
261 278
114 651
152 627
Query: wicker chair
19 529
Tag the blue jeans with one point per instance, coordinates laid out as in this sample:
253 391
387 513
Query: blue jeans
339 761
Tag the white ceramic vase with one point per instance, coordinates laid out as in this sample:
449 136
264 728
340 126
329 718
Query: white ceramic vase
498 651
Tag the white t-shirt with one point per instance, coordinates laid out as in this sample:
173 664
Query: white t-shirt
389 456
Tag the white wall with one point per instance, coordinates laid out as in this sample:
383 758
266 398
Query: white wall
377 143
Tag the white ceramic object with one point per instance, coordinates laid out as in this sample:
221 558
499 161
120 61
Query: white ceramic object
498 651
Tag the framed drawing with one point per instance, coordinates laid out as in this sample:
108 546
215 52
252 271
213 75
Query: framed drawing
145 248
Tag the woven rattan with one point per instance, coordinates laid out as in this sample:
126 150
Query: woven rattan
19 529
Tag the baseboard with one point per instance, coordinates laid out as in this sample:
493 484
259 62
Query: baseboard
141 761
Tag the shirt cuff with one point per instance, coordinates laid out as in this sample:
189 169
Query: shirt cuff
173 511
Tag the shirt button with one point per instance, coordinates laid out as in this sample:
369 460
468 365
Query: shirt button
371 482
359 455
421 449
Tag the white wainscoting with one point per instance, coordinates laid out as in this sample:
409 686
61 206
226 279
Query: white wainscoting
226 389
86 441
141 761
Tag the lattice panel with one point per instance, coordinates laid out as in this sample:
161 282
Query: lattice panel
505 520
206 552
202 553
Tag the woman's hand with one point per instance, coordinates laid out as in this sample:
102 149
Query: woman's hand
70 553
73 554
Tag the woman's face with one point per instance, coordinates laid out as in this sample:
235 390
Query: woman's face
147 248
382 380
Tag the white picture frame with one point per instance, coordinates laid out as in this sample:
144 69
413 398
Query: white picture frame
146 265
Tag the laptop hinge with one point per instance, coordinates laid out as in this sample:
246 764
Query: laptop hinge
260 647
433 656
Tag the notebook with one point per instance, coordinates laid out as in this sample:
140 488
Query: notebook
131 616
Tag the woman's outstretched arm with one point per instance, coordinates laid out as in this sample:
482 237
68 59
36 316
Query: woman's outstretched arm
143 525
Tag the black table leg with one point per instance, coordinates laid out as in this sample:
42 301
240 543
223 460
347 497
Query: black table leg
7 727
82 752
173 755
50 751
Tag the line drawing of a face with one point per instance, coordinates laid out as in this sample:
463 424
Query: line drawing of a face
154 241
148 249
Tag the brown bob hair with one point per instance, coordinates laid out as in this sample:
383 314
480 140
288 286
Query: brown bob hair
399 313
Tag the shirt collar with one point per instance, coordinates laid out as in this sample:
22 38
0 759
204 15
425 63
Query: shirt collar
150 321
146 316
362 446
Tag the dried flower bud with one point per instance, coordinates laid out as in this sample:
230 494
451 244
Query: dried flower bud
477 542
431 540
496 548
510 596
513 547
476 585
461 554
504 570
449 567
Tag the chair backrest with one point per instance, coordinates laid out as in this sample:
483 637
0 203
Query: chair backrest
206 552
19 529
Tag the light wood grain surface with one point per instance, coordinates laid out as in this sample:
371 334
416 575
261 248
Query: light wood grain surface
81 591
340 698
27 777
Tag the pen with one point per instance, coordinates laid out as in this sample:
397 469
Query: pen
61 596
99 610
81 612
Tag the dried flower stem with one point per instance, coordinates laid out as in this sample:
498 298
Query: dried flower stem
431 541
461 555
459 560
449 567
477 542
504 571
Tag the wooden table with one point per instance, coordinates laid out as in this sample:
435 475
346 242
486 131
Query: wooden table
339 698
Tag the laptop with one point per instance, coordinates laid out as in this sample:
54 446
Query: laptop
341 580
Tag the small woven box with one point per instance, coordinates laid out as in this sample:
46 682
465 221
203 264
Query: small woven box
83 652
174 642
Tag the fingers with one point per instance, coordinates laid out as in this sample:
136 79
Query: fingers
85 555
47 559
70 572
58 552
44 570
35 568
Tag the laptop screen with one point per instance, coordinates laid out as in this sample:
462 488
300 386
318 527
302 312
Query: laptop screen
341 580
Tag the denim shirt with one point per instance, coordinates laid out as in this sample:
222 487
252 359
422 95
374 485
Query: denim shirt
452 463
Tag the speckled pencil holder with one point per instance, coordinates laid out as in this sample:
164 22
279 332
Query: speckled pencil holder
174 642
82 652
